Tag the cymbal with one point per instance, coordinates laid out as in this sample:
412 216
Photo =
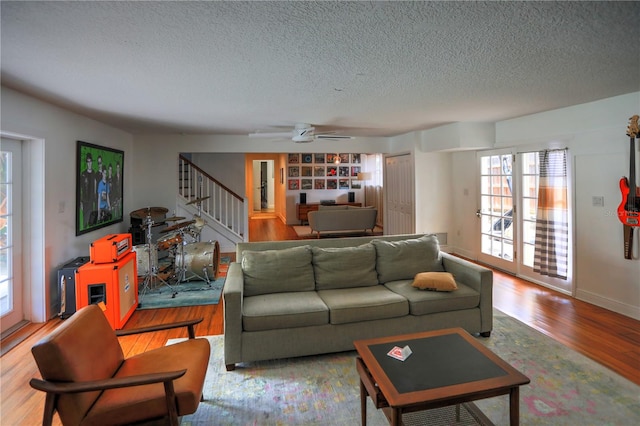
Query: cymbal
152 211
174 218
197 200
178 226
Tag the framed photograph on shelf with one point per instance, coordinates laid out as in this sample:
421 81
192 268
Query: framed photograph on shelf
318 158
331 158
307 158
306 183
294 184
343 184
356 184
294 171
99 187
332 171
332 183
355 170
318 184
344 158
318 171
355 158
343 171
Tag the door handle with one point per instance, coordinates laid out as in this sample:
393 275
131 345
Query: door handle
478 213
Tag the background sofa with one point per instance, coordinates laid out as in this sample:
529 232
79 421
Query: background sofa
305 297
342 218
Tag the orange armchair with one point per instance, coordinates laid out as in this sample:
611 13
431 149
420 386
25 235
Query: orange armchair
89 382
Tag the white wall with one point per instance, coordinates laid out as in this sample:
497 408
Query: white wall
59 130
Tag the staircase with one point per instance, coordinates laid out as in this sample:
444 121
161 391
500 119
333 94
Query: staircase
224 212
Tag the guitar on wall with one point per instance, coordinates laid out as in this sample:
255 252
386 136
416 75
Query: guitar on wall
629 208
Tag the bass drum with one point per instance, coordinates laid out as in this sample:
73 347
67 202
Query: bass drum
201 259
143 258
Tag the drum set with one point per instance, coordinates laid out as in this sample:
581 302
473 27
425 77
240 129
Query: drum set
188 258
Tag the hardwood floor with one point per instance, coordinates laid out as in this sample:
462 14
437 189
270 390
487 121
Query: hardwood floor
609 338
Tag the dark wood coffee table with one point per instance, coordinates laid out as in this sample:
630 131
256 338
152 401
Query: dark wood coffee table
447 367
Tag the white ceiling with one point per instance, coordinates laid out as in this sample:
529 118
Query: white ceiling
369 68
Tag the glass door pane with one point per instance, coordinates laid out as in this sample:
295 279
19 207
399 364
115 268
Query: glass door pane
496 210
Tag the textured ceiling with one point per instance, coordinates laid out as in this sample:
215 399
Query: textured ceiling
369 68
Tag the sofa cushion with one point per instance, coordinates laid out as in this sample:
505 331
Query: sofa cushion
349 305
431 302
398 260
434 281
277 271
283 310
344 267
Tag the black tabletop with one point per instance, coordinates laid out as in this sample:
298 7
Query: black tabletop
435 362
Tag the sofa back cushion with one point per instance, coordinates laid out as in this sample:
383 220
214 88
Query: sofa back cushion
402 260
277 271
345 267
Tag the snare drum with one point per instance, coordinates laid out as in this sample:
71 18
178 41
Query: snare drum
168 241
143 258
201 259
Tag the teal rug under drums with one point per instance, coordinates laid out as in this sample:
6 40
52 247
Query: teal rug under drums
188 294
566 388
191 293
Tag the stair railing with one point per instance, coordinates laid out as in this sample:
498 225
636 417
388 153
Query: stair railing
216 200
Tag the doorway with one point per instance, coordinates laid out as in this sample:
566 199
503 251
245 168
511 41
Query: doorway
11 254
263 186
508 212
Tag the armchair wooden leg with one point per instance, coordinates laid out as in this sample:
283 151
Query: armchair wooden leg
172 411
485 334
231 367
49 408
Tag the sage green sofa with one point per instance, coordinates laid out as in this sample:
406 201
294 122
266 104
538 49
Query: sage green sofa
306 297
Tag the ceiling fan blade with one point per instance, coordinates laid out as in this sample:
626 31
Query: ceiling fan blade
333 137
270 135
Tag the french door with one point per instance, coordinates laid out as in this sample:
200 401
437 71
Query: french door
11 304
509 183
497 213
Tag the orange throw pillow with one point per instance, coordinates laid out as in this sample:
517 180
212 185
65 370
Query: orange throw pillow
435 281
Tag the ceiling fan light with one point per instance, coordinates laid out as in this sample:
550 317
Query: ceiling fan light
302 138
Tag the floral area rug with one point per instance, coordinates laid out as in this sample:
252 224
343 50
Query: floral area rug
566 388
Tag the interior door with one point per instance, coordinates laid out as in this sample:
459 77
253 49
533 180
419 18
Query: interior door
400 195
11 288
497 210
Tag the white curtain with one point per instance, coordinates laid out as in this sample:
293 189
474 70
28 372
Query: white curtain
551 253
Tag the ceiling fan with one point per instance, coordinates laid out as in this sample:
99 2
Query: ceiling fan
301 133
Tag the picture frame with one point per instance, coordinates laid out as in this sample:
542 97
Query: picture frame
318 184
356 184
332 183
294 171
294 184
318 158
294 158
99 187
307 158
343 183
355 158
306 184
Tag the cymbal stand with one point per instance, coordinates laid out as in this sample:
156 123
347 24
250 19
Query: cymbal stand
151 278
